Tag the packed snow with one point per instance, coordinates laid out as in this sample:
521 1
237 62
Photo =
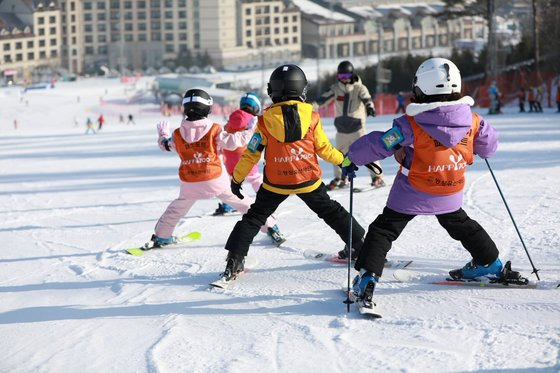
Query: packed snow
73 301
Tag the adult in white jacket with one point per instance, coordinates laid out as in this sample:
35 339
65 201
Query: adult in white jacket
203 175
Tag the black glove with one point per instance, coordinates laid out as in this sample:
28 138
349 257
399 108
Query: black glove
236 189
348 168
370 111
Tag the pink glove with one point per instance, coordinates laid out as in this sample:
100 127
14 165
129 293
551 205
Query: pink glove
163 129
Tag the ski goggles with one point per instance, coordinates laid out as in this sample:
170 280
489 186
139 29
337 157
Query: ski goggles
344 76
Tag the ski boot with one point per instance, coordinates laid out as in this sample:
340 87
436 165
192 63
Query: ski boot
471 270
156 242
343 254
276 236
377 182
223 209
235 265
362 288
337 183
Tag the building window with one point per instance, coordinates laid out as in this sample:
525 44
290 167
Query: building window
101 5
87 5
141 4
6 47
52 30
248 22
156 14
87 17
41 31
128 4
87 28
294 18
115 4
286 30
182 36
54 53
101 17
102 49
141 37
115 37
101 27
30 44
30 56
128 27
156 36
168 25
286 40
7 59
89 50
53 42
294 40
128 37
19 45
19 56
286 19
248 11
182 14
141 15
276 9
72 6
168 14
142 27
169 48
294 29
41 43
41 20
101 38
52 19
88 39
248 33
169 37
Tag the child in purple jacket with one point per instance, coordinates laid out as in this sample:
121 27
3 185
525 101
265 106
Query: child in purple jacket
434 142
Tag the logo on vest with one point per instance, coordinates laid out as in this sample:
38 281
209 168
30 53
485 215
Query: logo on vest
297 155
197 159
456 165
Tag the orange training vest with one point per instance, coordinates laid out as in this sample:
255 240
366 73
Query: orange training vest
291 164
437 169
199 160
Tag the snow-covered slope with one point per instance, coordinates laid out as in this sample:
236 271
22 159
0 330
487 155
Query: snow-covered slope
72 301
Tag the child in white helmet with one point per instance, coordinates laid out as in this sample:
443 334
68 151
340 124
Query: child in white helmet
434 142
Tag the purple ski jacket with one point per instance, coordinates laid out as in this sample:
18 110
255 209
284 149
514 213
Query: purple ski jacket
446 122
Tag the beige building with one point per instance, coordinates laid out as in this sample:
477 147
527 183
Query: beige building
30 37
333 31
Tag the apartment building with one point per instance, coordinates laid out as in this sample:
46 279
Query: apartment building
30 37
357 29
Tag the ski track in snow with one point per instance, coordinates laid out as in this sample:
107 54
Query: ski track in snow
73 300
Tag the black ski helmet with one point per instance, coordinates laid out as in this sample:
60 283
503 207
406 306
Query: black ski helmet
196 104
345 67
287 82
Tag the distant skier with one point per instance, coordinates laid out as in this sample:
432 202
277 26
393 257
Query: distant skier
100 121
531 99
538 99
130 119
293 137
352 104
521 99
89 125
249 106
434 142
203 176
558 97
400 103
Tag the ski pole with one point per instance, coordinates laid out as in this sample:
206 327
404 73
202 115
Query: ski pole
348 301
535 271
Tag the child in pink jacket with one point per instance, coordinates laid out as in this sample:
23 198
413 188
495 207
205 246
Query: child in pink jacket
249 108
197 142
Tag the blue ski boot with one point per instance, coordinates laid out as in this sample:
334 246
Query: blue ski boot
275 235
364 285
472 270
223 209
160 242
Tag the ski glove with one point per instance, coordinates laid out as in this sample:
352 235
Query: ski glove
163 129
370 111
348 168
236 189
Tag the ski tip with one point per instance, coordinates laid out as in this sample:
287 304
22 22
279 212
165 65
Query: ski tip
191 236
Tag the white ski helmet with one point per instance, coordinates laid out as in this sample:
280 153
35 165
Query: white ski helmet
437 76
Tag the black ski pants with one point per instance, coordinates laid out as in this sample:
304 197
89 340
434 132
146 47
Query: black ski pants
266 203
387 227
